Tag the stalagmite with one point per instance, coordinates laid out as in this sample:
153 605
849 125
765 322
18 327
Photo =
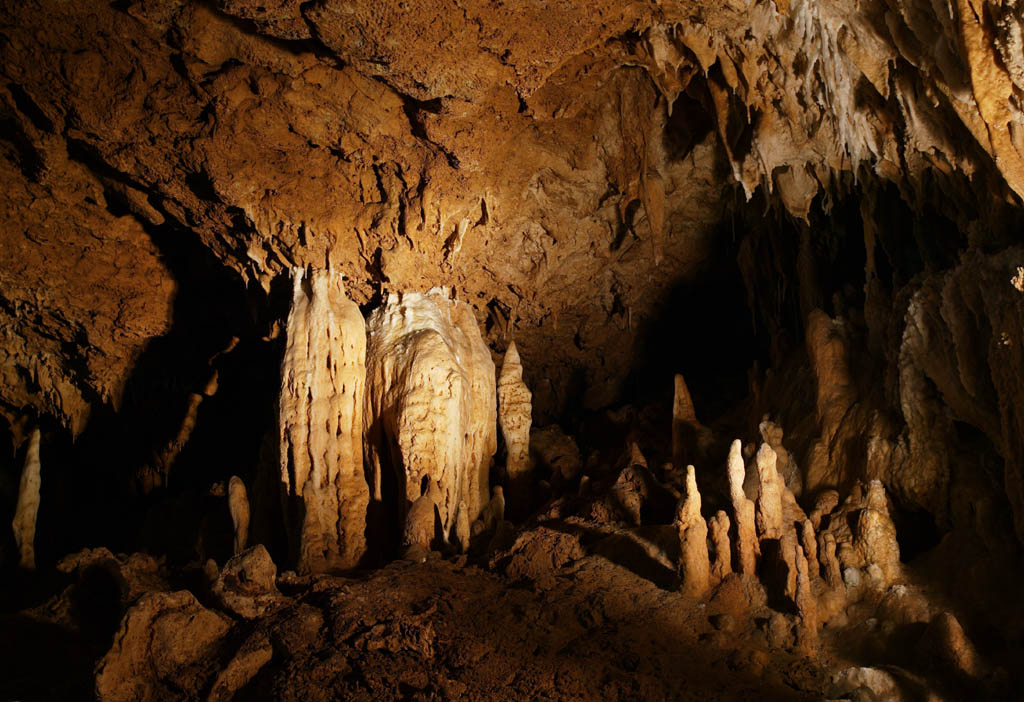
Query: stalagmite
684 423
830 563
788 546
809 542
419 523
806 604
462 530
718 527
430 409
876 540
238 504
746 543
769 499
321 424
24 523
515 415
695 565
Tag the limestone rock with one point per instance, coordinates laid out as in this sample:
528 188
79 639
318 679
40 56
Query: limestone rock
431 410
247 585
25 512
165 648
944 643
556 450
515 415
745 541
253 654
695 566
238 504
827 501
321 423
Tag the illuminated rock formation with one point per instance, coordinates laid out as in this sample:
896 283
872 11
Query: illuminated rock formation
745 541
25 511
431 413
321 424
694 563
238 505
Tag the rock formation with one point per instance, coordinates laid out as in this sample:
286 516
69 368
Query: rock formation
238 505
27 509
745 539
321 423
431 407
694 563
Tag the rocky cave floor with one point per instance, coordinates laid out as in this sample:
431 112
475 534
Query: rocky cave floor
579 601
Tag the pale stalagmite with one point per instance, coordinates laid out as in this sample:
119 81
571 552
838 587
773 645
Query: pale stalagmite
806 604
238 505
769 498
321 423
746 544
694 564
721 564
430 405
514 413
24 523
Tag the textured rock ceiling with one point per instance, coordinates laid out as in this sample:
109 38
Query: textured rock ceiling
561 165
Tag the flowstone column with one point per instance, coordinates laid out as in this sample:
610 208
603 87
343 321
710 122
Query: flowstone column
323 377
431 415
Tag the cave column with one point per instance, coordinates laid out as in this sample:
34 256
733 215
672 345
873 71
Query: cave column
323 377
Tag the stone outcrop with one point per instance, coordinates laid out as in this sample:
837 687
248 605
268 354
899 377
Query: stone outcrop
430 406
321 424
27 509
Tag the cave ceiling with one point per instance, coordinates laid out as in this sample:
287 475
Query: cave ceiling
559 165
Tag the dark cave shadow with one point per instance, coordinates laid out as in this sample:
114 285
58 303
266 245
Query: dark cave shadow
92 494
624 552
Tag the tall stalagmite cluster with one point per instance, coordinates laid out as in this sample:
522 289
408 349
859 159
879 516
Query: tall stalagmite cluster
385 421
